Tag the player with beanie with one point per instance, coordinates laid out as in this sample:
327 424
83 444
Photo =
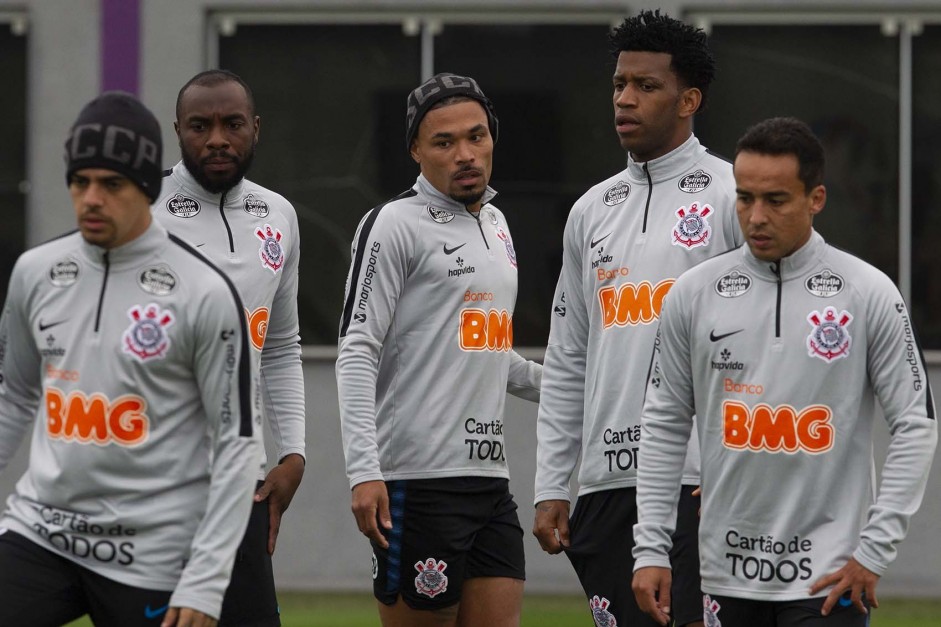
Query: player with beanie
126 351
425 361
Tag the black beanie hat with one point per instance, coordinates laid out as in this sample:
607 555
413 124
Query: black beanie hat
116 132
437 88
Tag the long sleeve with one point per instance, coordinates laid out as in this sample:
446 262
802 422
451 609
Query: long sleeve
224 375
377 277
666 424
282 376
19 370
562 402
524 378
900 381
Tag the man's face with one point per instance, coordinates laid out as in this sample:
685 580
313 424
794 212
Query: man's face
111 210
217 133
455 151
774 210
652 110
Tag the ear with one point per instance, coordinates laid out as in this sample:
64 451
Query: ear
416 154
818 198
690 99
257 124
176 128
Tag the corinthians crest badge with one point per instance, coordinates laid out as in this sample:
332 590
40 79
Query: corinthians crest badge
710 611
599 611
829 339
692 229
147 337
431 580
271 251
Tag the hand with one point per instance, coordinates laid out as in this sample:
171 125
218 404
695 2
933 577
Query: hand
698 492
279 488
551 526
651 587
853 576
187 617
371 504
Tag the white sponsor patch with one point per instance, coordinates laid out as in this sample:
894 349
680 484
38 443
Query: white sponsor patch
441 216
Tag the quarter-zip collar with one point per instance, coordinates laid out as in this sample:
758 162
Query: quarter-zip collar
441 201
791 267
181 176
670 165
129 255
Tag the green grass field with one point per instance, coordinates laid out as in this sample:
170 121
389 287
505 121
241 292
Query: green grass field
357 610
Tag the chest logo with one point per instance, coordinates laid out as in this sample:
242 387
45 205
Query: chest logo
632 304
63 273
616 194
441 216
599 611
256 206
692 229
825 284
695 182
147 337
829 340
182 206
271 251
508 243
158 280
257 326
733 284
493 217
431 580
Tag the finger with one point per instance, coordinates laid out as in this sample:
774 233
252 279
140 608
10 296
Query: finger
831 600
871 595
274 527
697 491
665 601
823 582
169 619
564 534
385 517
857 599
262 492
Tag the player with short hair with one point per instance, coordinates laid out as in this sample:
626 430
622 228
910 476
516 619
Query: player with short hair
128 352
251 233
425 360
625 242
783 349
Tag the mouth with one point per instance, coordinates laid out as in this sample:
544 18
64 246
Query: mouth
219 164
625 124
468 177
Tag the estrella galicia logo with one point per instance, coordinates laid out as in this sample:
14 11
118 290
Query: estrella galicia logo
63 273
441 216
695 182
182 206
616 194
158 280
256 206
733 284
825 284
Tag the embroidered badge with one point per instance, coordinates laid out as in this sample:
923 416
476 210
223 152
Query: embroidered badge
256 206
599 611
147 337
158 280
692 229
825 284
510 251
695 182
441 216
829 339
493 217
710 611
431 580
616 194
271 251
733 284
182 206
63 273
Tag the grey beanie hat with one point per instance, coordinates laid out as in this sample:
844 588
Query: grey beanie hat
116 132
437 88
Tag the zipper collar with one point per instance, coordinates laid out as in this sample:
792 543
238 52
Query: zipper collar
676 162
791 267
130 255
430 194
182 177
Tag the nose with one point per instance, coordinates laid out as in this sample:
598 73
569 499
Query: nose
217 138
93 195
626 98
464 152
759 213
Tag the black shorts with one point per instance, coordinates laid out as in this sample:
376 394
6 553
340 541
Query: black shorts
250 599
602 537
734 612
443 532
41 589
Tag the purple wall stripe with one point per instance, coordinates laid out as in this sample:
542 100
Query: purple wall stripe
120 45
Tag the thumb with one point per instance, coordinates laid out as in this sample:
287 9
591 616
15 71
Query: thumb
385 518
262 493
169 620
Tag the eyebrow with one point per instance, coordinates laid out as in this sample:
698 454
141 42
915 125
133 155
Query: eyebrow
446 135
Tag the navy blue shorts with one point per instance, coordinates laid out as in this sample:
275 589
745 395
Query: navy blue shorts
602 537
445 531
735 612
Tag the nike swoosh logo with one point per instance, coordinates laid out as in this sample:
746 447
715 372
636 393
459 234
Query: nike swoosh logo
200 245
149 613
43 327
595 242
448 251
715 338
